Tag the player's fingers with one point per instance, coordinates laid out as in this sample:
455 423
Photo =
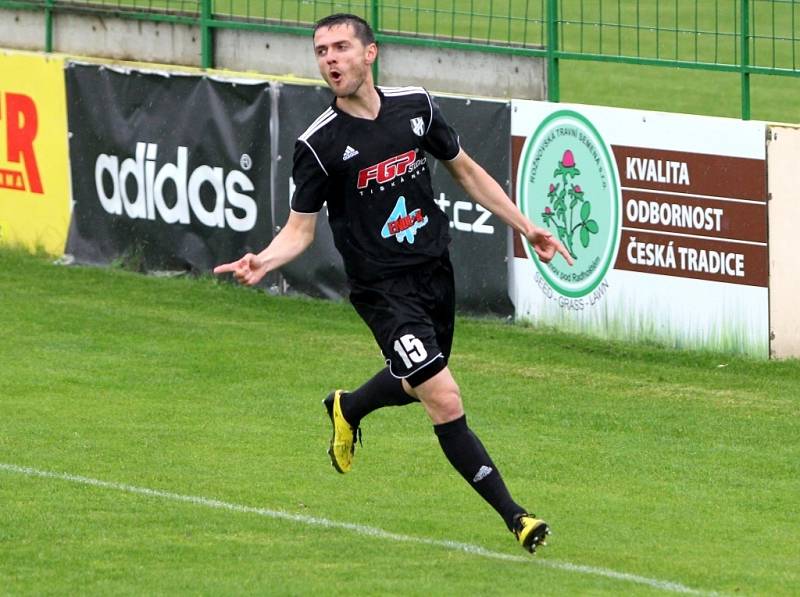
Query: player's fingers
564 253
226 267
545 255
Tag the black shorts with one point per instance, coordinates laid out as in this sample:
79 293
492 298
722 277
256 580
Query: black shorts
412 316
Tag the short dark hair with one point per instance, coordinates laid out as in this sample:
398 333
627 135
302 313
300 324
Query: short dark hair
360 26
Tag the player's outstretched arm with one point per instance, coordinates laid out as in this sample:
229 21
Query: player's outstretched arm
485 190
291 241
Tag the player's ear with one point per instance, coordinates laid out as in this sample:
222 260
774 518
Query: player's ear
371 53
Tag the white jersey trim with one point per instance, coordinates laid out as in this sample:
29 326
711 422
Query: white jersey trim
430 105
321 121
460 149
326 117
319 161
410 90
306 213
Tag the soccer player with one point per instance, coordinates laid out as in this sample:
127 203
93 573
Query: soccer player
367 157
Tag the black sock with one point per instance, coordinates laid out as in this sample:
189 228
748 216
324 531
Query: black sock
382 390
468 456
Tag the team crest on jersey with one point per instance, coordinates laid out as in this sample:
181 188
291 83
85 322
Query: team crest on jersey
418 126
403 225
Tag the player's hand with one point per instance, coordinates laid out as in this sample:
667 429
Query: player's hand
546 246
248 270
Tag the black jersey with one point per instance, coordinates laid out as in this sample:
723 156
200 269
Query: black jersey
374 176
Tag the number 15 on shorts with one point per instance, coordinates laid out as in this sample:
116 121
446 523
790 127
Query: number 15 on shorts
411 350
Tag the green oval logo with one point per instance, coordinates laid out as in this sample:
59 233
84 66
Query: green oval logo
568 182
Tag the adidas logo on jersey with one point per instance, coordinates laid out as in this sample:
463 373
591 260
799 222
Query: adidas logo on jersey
349 153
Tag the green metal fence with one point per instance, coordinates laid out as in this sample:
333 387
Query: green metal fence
745 37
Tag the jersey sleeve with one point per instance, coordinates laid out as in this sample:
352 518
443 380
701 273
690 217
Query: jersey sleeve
310 179
441 140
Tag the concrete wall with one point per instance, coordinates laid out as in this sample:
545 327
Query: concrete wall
452 71
125 39
466 73
783 159
269 53
22 30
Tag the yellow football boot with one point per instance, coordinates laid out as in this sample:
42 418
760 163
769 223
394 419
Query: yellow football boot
343 440
531 532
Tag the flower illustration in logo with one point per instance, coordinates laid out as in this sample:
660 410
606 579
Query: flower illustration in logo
567 179
571 210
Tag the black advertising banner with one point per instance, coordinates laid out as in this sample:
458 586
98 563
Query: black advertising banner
170 170
319 270
480 241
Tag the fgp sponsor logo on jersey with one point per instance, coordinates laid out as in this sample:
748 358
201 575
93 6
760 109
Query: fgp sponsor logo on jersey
19 121
386 171
403 225
569 182
174 194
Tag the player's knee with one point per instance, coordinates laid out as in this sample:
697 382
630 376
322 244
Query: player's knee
448 401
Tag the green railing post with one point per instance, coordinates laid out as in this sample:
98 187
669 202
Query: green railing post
552 51
48 26
375 15
206 35
745 52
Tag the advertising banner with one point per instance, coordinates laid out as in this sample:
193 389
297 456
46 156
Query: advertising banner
169 171
319 270
665 216
34 166
479 248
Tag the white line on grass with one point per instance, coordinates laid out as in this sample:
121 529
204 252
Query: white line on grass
360 529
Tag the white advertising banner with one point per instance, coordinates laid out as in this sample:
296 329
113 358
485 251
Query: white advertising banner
665 216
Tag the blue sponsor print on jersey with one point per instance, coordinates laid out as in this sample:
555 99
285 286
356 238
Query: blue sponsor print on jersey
403 225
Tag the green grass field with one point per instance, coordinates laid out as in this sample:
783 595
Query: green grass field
165 436
774 99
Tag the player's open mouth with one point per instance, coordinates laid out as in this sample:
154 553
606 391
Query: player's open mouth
336 76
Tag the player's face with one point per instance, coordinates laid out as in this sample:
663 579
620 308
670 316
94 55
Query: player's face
344 62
